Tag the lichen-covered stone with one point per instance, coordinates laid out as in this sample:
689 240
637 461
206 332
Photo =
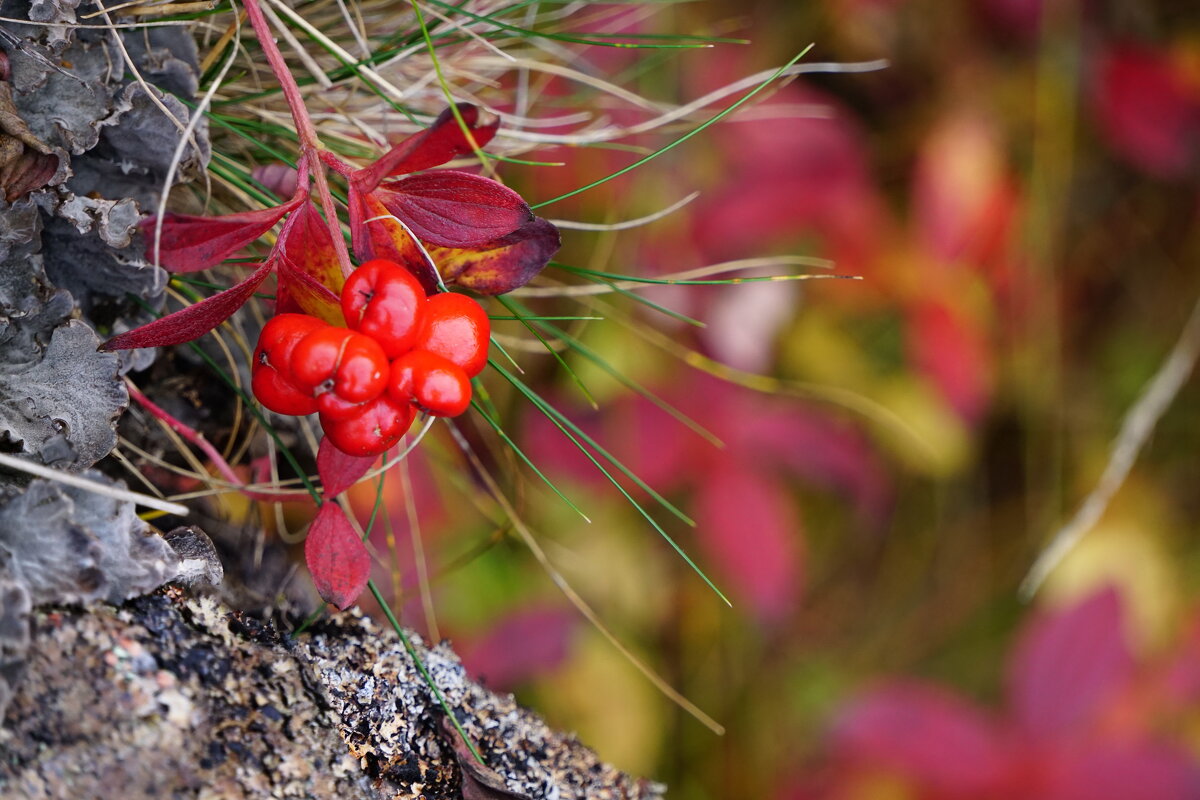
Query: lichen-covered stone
169 697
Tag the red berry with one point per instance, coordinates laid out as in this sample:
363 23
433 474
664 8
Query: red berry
379 426
271 376
384 301
316 357
280 336
435 384
279 394
333 406
456 328
362 373
341 361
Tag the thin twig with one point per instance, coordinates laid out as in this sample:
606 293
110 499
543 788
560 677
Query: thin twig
626 224
574 597
199 441
12 462
1139 423
310 63
699 273
310 144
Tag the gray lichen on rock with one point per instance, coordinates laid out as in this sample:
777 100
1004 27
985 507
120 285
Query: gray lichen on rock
69 545
170 697
69 393
393 724
14 635
83 151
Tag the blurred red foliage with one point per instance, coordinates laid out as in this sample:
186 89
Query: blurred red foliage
1078 724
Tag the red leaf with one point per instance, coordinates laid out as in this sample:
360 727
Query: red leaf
338 470
284 304
949 346
816 447
309 265
1125 770
962 194
544 632
1147 110
191 243
810 174
195 320
925 734
376 234
501 265
300 293
749 528
443 141
28 171
449 208
1067 665
1181 677
338 561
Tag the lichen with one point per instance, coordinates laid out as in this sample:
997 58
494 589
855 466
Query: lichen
173 697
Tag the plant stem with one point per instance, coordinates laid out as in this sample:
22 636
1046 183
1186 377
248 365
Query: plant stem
335 163
205 446
115 492
421 668
310 144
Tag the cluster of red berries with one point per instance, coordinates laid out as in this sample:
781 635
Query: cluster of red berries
401 353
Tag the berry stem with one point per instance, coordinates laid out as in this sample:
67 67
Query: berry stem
205 446
335 163
310 144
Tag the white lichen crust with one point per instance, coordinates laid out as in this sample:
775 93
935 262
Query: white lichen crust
173 697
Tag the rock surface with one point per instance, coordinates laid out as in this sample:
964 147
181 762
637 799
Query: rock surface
177 697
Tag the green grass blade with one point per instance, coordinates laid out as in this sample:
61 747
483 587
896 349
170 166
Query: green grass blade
507 356
707 123
562 423
631 384
176 280
567 367
425 676
634 296
521 454
565 424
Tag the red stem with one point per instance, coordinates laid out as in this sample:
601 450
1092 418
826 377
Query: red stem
205 446
310 145
335 163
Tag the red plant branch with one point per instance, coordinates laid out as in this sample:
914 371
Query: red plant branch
310 145
205 446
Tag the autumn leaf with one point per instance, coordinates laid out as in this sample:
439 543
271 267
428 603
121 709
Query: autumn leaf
501 265
449 208
195 320
442 141
486 237
309 273
337 560
339 471
377 234
189 243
